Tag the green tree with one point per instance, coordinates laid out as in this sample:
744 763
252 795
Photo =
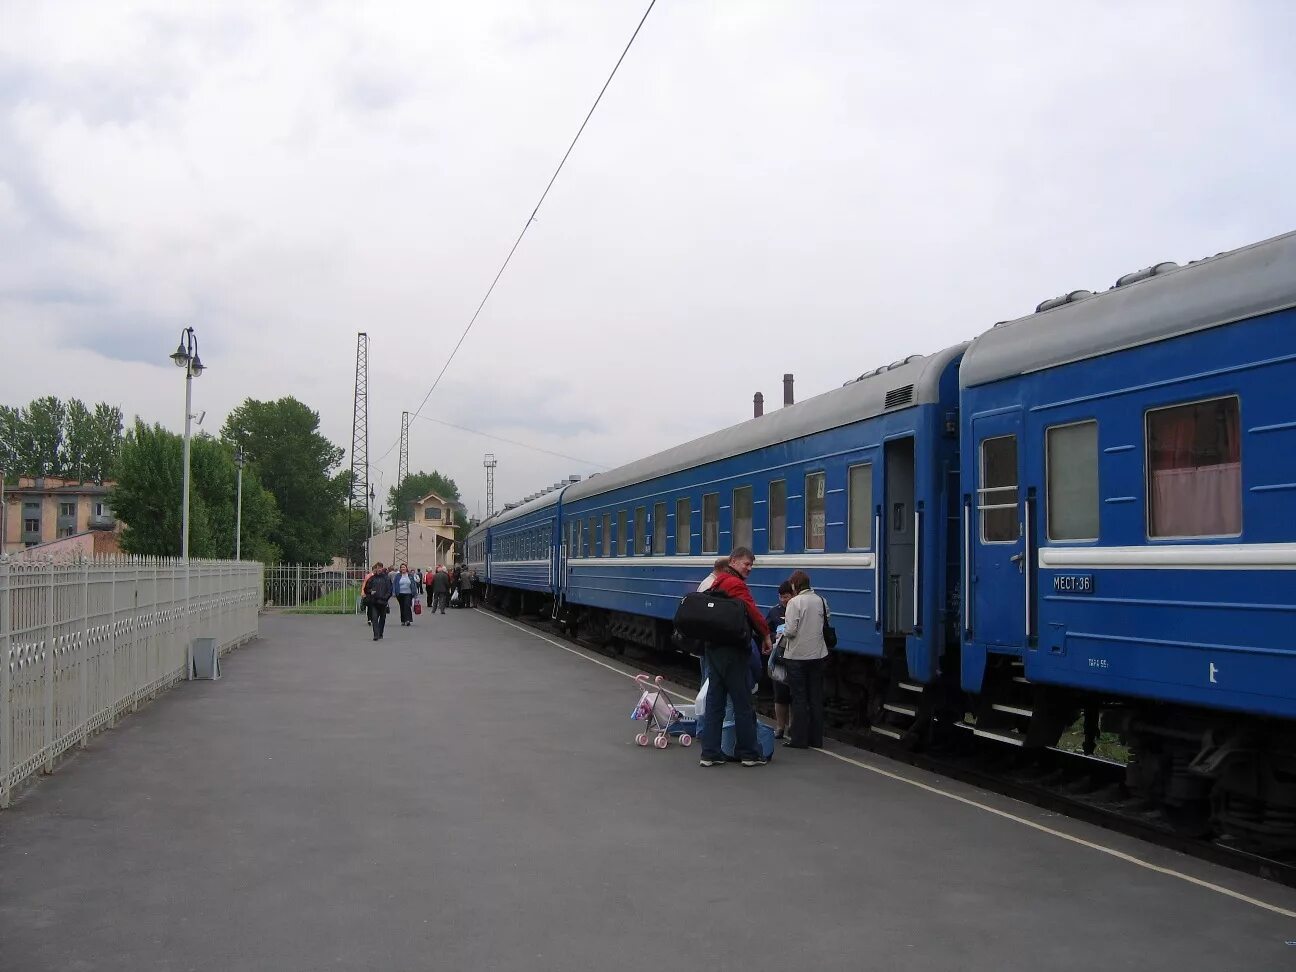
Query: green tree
77 437
105 440
402 496
51 438
148 494
45 419
282 443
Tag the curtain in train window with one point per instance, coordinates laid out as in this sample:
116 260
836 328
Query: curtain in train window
778 516
591 538
1195 470
742 517
683 528
711 523
860 492
1072 457
641 530
623 535
607 534
659 529
815 514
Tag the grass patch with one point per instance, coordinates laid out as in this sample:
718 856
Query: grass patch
342 600
1108 743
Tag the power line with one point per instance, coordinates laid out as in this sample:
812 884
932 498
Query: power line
530 219
521 445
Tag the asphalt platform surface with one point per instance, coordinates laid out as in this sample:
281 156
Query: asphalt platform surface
467 795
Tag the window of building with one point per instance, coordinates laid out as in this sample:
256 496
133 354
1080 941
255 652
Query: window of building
860 497
67 532
742 517
659 529
778 516
100 509
816 529
1194 465
641 530
711 523
607 534
623 534
431 513
31 525
67 509
1071 455
997 497
683 527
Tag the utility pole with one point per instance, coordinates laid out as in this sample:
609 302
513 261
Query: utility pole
401 552
238 508
361 489
490 463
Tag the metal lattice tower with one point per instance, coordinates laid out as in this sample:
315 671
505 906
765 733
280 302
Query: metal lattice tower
359 498
401 552
490 463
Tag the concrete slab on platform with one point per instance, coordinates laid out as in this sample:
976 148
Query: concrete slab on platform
467 794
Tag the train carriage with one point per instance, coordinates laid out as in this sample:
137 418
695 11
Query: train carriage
1129 526
520 547
857 486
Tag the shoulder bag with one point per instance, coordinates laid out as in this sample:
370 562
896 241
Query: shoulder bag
829 632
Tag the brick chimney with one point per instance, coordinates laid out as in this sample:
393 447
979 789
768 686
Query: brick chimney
787 390
758 405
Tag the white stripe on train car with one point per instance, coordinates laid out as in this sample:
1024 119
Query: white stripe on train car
808 561
1180 556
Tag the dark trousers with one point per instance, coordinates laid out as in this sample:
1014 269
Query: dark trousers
429 596
729 679
805 679
439 599
406 607
378 618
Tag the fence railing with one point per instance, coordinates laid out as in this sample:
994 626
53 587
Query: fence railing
81 643
309 589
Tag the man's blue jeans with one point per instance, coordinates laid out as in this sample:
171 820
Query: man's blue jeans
729 681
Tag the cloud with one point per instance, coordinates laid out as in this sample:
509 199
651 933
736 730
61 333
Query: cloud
817 188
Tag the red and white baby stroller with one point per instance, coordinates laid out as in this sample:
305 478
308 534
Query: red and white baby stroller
663 717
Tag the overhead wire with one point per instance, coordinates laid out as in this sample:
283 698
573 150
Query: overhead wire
523 445
527 224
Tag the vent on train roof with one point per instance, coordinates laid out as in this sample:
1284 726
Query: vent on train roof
1070 298
897 397
1146 272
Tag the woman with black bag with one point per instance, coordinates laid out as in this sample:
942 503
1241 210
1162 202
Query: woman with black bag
806 636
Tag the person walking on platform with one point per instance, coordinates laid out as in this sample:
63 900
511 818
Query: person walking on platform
378 593
782 694
728 672
403 588
804 653
720 564
466 586
440 590
427 588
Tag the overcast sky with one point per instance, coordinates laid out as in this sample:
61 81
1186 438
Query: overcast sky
812 187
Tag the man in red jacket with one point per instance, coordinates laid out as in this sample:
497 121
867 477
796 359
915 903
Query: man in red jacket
727 671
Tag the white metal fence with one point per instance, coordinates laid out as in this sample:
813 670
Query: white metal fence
80 643
313 589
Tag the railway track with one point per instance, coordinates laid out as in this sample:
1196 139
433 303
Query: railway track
1088 788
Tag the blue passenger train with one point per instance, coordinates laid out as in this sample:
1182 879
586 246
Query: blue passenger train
1087 512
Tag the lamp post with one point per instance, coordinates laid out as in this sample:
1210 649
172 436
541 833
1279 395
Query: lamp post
238 506
186 357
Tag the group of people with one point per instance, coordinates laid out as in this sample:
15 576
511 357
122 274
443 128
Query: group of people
381 584
732 671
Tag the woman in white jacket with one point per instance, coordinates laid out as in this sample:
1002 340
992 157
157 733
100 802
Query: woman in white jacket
804 653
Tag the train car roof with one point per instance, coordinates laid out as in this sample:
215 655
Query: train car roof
891 388
1148 305
549 498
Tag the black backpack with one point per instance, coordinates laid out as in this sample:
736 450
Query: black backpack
712 617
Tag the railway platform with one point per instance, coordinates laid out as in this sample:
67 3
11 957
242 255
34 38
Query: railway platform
467 794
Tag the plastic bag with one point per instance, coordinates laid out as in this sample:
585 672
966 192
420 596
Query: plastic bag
454 597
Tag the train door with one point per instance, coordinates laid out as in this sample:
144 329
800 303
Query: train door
897 541
998 542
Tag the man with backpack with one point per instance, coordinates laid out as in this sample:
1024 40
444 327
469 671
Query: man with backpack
727 661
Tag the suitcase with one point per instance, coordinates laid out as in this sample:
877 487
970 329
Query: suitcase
418 607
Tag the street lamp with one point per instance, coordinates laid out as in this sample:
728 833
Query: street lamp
186 357
238 507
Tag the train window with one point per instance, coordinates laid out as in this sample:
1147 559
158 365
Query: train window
1071 458
742 517
623 535
778 516
641 530
711 523
860 497
1194 469
815 512
659 529
607 534
578 546
591 538
683 528
997 497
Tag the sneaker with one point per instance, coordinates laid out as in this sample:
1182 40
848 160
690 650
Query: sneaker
758 761
711 762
